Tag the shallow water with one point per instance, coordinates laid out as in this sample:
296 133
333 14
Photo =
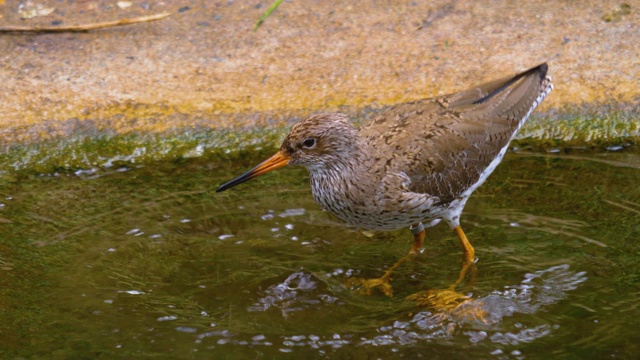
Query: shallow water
150 261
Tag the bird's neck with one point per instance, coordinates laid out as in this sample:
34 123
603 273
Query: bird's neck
338 185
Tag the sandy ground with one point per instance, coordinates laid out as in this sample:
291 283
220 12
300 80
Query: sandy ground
205 60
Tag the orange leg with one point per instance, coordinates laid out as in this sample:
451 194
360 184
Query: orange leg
469 252
366 285
419 234
468 257
448 300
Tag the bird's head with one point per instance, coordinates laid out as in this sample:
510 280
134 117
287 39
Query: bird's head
315 142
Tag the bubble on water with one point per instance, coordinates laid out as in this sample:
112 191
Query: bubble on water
132 292
167 318
186 329
85 172
292 212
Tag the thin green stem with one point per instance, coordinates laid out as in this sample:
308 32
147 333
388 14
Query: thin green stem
267 13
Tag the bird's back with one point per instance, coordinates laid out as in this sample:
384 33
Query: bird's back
448 145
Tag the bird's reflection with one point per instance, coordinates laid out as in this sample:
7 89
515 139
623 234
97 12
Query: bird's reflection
439 312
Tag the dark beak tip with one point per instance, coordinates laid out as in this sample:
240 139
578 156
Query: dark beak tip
274 162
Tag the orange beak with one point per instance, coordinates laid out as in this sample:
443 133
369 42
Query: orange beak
275 162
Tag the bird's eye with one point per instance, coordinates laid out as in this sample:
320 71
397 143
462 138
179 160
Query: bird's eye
309 143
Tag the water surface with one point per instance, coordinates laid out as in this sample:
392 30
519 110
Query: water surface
150 261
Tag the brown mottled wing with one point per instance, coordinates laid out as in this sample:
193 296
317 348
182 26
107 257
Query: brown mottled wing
444 144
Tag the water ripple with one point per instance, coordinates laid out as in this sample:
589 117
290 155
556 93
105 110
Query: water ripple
294 294
537 290
550 225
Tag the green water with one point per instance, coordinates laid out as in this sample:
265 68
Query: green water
147 260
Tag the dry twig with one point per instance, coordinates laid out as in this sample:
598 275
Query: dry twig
80 28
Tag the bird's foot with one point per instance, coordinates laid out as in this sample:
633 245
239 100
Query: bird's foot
451 303
365 286
442 299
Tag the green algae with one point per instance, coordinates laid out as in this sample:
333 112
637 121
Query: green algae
577 129
85 145
108 151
